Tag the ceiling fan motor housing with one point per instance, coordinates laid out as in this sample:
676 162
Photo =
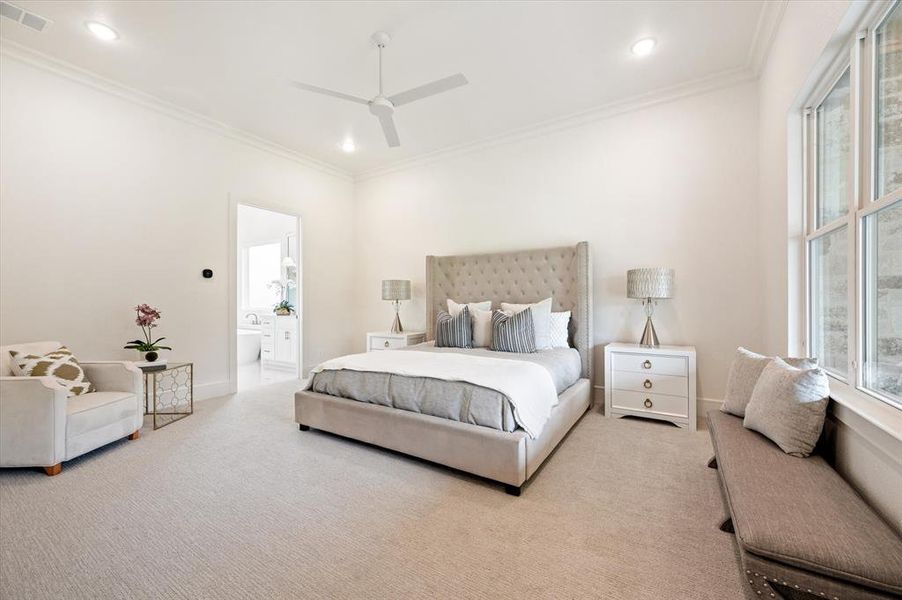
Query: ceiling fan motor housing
381 107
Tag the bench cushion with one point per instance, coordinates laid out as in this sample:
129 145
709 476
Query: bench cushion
800 512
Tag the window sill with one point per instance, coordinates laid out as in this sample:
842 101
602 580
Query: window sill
876 412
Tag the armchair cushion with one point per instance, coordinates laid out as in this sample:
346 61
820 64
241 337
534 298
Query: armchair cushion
98 418
60 364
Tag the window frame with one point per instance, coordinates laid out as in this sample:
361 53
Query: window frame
860 59
244 265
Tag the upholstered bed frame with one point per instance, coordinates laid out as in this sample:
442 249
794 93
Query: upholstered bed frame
511 458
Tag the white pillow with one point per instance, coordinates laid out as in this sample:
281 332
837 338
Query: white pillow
482 327
454 308
559 334
541 319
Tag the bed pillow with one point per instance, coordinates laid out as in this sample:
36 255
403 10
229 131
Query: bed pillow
788 406
454 332
60 364
482 327
454 308
541 318
744 372
559 332
513 332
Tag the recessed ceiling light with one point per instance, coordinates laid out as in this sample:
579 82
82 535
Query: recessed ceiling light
644 47
348 146
102 32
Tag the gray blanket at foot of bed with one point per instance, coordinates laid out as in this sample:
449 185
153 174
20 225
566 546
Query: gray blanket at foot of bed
455 400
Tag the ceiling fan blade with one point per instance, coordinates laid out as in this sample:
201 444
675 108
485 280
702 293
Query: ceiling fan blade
430 89
391 134
319 90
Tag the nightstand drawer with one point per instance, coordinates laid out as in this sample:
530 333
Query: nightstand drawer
673 406
386 343
651 383
647 363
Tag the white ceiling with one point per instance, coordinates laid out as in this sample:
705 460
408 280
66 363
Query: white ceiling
527 62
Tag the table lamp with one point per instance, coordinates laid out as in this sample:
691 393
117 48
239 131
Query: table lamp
396 290
649 285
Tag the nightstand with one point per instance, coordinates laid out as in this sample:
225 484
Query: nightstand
383 340
656 383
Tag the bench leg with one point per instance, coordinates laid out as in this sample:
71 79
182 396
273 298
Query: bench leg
727 526
54 470
303 427
712 464
513 490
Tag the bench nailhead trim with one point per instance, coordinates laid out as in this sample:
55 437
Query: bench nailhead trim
776 580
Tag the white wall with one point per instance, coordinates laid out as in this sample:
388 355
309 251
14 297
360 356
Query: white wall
671 185
866 456
105 204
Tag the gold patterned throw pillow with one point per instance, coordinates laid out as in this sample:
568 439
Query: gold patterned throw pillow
59 364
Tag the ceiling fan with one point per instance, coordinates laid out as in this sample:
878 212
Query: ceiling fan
383 107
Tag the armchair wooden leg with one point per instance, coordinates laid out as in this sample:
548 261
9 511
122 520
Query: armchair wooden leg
135 435
54 470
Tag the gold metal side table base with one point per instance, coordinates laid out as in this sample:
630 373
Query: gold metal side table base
169 393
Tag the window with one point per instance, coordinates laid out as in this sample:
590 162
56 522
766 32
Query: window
262 271
853 180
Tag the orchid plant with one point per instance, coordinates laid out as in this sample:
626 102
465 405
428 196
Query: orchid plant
146 320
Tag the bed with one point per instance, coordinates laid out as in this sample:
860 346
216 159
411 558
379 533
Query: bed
482 439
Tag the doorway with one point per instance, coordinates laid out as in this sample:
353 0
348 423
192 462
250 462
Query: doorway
267 296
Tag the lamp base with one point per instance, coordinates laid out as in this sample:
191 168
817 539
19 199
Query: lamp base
396 325
649 337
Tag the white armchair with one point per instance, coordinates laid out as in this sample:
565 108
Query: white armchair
41 427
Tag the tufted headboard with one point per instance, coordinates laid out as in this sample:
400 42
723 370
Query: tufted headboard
565 274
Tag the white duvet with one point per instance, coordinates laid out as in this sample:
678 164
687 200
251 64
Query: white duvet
528 386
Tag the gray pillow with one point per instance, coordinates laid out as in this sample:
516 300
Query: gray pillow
744 372
513 333
788 406
454 332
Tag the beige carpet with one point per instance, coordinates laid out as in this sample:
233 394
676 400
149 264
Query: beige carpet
235 502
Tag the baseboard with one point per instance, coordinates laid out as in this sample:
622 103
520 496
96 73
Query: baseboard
211 390
703 405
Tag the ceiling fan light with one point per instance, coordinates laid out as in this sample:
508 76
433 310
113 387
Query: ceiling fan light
644 47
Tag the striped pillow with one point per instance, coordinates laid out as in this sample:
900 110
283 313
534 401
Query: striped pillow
513 333
454 332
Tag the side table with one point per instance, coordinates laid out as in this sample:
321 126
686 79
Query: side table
169 392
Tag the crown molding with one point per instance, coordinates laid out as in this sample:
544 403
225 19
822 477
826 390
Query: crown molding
720 80
765 31
98 82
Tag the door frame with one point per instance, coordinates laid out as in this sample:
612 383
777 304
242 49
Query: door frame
232 320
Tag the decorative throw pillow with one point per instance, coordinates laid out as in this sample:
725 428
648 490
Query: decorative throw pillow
513 332
454 308
454 332
559 332
482 327
59 364
744 372
541 317
788 406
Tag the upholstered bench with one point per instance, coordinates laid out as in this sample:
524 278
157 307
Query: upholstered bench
802 531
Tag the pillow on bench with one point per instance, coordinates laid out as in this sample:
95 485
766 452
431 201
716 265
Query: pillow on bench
788 405
744 372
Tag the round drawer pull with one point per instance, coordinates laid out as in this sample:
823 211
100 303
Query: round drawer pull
647 384
646 364
386 343
648 403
